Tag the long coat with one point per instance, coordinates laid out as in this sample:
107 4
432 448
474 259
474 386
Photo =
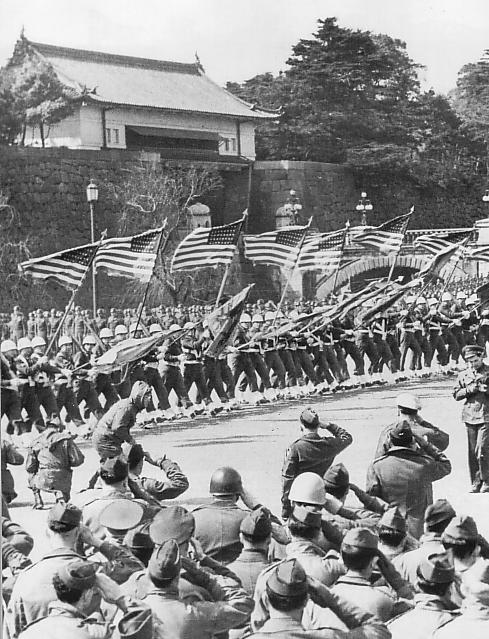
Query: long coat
403 477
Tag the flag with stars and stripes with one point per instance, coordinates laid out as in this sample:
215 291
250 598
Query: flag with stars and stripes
132 257
386 238
322 252
479 253
207 247
67 268
435 242
280 247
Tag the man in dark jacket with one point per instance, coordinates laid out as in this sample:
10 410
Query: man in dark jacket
311 453
403 476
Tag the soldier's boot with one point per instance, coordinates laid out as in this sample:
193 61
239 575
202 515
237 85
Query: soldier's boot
38 502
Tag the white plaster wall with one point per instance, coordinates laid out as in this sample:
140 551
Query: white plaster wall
64 133
91 127
83 129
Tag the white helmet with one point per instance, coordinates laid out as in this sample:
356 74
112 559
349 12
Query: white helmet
24 342
8 345
410 299
270 316
175 327
89 339
408 400
432 301
120 329
257 318
106 332
245 318
308 488
188 325
65 339
38 341
135 327
155 328
421 300
446 297
461 295
472 299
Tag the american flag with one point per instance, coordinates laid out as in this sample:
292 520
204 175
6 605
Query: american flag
207 247
435 242
280 247
133 257
322 252
67 268
479 253
387 237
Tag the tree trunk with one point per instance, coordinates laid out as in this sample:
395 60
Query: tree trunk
24 131
41 132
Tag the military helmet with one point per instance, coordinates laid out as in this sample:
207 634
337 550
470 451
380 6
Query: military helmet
89 339
155 328
24 342
65 339
106 333
8 345
308 488
225 481
120 329
38 341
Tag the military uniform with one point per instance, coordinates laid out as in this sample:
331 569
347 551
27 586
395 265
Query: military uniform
64 621
475 414
10 455
311 453
403 477
50 458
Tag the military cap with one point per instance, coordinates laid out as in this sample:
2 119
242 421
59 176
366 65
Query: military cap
164 563
401 434
359 539
79 575
257 524
288 579
393 519
137 623
114 469
462 528
408 400
436 569
439 511
306 516
138 537
309 418
476 579
472 350
336 477
121 514
173 522
62 513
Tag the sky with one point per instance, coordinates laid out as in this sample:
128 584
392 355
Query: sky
238 39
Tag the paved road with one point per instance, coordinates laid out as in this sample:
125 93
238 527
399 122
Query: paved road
254 441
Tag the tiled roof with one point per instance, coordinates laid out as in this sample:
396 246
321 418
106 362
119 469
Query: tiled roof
125 80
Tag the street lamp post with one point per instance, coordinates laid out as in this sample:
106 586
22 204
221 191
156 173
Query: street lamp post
364 205
92 197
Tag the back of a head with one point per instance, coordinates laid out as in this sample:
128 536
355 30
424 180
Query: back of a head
225 481
435 574
461 536
256 526
287 586
309 419
358 548
64 518
113 470
438 515
401 434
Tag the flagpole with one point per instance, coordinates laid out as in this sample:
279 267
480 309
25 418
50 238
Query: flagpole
228 267
292 271
347 226
447 281
399 250
146 290
68 308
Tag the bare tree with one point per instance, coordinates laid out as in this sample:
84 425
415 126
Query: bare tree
147 195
